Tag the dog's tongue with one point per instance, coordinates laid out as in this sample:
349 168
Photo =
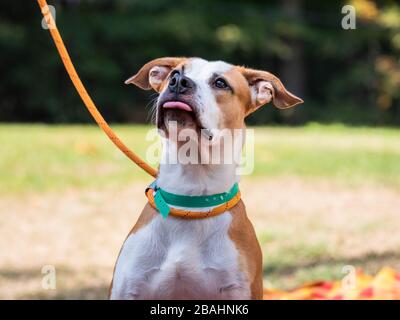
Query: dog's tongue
177 105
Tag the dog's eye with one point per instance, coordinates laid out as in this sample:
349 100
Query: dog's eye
221 84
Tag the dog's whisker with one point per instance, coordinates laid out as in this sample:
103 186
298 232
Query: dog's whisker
153 108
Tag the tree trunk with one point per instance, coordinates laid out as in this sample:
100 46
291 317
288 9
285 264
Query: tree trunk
293 68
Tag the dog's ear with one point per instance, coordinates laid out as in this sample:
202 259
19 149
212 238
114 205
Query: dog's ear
264 87
153 73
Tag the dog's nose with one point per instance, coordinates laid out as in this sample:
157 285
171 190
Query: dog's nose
179 83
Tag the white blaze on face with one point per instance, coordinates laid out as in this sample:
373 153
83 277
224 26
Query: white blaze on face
201 71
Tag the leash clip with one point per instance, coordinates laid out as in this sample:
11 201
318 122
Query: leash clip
159 201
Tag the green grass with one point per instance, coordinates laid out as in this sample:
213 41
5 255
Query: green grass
349 155
298 245
41 157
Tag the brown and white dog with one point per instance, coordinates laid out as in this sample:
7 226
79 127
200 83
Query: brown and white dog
213 258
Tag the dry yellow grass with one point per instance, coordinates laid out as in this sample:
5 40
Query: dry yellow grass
303 226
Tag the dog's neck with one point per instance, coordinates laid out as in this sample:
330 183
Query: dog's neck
194 179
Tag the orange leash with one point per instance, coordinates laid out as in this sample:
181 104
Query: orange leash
84 95
110 133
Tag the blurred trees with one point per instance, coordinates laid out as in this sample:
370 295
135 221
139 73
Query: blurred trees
350 76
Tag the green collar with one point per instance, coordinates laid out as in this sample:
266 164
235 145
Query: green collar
164 199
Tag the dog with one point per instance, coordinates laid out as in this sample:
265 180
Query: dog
216 257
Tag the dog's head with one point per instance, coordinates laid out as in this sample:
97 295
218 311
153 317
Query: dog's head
200 94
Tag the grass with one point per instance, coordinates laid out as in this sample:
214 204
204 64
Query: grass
320 198
348 155
39 157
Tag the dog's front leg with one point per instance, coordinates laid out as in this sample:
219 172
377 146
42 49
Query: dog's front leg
131 285
138 261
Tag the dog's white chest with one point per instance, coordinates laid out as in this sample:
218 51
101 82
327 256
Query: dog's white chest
180 259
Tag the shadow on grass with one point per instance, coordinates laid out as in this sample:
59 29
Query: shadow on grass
99 292
29 273
369 261
69 286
